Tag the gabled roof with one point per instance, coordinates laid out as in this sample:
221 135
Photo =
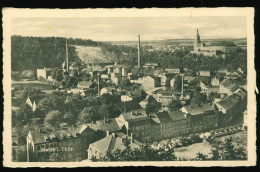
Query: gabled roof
128 106
44 135
36 98
111 144
229 102
229 84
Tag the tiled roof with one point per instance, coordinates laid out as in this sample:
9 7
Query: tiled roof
43 135
229 102
137 115
229 84
193 110
177 115
111 144
108 125
128 106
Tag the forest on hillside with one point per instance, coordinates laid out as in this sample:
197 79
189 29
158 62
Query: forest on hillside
30 53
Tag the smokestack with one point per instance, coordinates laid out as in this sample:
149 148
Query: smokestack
182 84
67 57
98 86
139 58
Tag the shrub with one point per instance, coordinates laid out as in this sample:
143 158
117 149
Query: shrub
222 130
217 130
245 127
231 128
212 132
240 125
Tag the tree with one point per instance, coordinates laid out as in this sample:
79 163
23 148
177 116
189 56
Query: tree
88 115
24 114
198 98
69 118
104 111
175 104
51 102
58 75
152 105
124 83
53 118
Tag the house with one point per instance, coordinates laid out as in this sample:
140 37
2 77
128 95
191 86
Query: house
157 72
110 144
163 80
43 73
204 73
215 82
224 71
152 65
125 98
173 70
107 90
149 82
233 105
70 143
143 103
83 91
168 95
232 75
201 118
227 87
33 101
86 84
208 89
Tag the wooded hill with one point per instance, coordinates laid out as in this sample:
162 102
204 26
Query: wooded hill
30 53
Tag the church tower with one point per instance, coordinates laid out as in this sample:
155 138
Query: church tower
197 42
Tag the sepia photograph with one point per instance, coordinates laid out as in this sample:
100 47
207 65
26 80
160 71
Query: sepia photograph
129 87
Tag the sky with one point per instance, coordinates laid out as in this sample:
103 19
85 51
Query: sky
127 28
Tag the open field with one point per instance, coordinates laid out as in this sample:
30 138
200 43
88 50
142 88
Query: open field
31 84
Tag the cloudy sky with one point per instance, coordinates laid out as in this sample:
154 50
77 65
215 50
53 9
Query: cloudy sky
127 28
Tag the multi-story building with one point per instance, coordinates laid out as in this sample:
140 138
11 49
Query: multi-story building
201 118
70 143
207 89
168 95
227 87
233 105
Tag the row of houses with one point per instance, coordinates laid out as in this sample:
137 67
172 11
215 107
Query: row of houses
72 143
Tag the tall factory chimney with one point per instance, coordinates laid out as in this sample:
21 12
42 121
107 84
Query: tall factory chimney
67 57
139 58
182 84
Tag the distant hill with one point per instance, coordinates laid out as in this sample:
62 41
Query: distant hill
30 53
